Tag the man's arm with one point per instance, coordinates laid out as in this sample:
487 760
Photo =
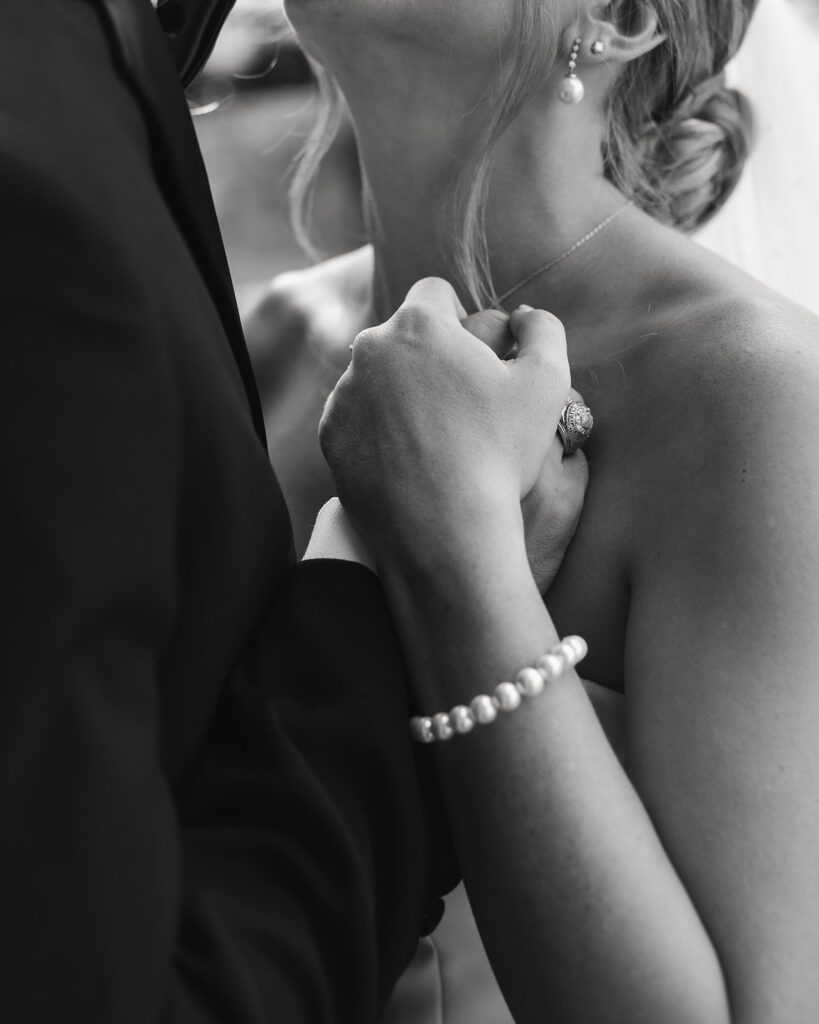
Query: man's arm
305 831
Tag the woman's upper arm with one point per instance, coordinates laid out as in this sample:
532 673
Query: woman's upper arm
722 668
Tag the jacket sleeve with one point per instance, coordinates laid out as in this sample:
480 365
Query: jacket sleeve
326 778
286 882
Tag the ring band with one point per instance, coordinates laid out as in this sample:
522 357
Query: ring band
575 425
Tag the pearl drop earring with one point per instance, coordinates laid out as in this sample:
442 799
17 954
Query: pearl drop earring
571 88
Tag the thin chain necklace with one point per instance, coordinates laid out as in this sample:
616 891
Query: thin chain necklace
563 256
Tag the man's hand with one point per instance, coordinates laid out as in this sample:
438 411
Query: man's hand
433 440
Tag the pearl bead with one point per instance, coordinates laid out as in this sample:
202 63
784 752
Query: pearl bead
462 719
529 682
507 696
576 647
483 709
551 666
580 646
566 652
421 730
441 726
571 90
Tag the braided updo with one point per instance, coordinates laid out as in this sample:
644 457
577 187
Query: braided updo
677 135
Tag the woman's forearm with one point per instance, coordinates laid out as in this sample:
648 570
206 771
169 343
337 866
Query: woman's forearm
581 911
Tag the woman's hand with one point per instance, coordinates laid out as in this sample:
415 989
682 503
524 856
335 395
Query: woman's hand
551 510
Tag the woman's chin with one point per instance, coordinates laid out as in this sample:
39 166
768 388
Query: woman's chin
345 35
321 23
329 11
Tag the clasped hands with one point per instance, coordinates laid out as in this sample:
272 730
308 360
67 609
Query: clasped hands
441 442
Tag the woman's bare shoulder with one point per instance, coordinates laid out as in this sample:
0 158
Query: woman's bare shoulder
740 350
323 306
728 403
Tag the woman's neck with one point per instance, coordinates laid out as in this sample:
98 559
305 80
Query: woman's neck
414 139
417 126
547 191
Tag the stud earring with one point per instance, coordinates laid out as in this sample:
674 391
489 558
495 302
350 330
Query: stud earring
597 47
571 88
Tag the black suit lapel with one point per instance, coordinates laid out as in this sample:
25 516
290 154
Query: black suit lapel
148 64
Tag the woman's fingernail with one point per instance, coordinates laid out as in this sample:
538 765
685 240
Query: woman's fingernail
524 309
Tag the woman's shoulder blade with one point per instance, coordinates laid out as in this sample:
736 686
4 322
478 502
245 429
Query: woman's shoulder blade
322 307
318 294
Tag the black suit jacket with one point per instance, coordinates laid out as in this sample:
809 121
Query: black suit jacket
209 804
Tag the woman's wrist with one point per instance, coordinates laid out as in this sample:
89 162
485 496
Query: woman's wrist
483 709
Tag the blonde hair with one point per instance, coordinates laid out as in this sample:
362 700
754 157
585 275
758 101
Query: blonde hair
677 137
676 140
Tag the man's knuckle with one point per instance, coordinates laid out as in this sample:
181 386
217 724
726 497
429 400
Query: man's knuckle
365 342
414 320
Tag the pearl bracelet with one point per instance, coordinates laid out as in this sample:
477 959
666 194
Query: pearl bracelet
483 709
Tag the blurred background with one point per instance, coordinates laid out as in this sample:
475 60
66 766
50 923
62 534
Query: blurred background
255 105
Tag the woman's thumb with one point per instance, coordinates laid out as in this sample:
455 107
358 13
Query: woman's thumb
539 336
